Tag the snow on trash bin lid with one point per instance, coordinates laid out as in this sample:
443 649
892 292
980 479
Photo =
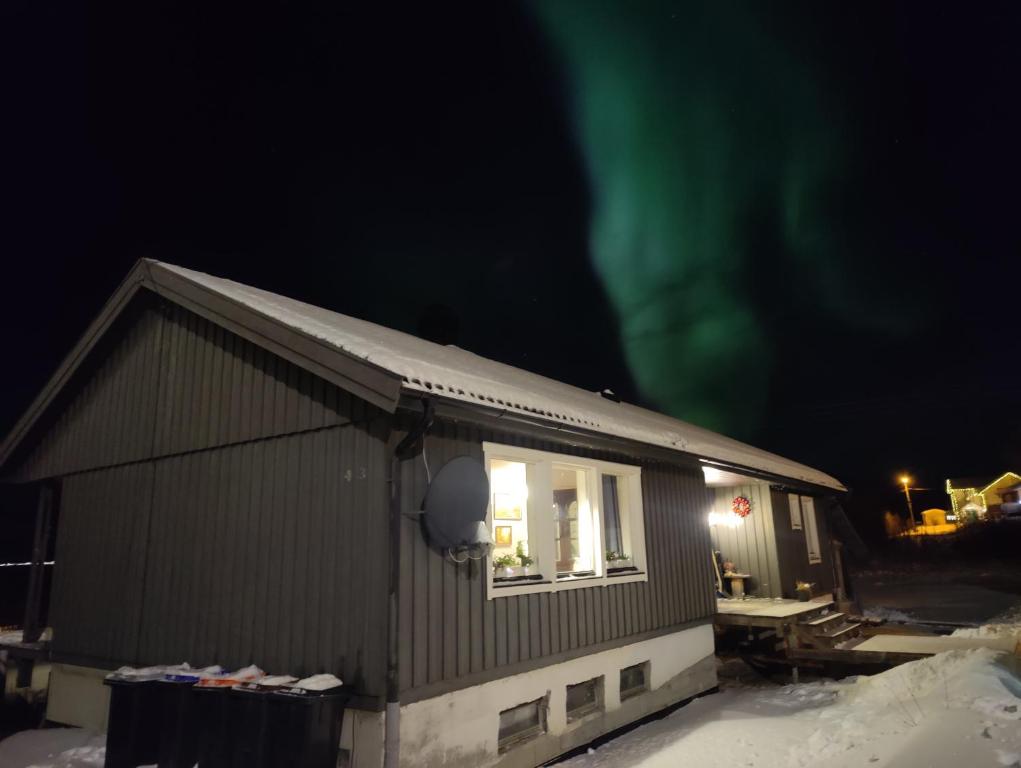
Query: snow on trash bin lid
323 682
191 675
273 681
229 679
142 674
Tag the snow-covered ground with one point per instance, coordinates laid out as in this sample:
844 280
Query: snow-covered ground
53 748
961 707
957 708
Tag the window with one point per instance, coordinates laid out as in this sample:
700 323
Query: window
633 680
584 698
620 549
811 530
521 723
795 505
559 521
575 528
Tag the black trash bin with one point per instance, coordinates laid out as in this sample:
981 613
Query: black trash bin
209 710
134 722
176 724
304 727
193 725
247 720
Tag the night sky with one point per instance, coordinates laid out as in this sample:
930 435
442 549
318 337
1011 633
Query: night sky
795 223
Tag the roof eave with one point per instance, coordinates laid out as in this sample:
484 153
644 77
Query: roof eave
449 406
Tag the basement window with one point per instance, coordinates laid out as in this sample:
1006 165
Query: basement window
634 680
521 723
584 698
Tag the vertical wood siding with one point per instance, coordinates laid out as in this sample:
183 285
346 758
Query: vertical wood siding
793 552
751 546
449 630
218 505
171 382
268 552
102 529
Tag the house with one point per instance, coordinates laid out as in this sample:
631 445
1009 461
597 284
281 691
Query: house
236 477
981 498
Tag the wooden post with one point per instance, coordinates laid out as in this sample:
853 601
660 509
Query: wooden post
37 575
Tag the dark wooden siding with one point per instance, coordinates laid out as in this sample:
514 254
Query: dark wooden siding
98 579
218 505
793 551
268 552
751 546
451 634
169 382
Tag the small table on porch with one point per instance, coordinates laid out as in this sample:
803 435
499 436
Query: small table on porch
737 583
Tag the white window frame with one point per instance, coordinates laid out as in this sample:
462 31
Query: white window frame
541 526
795 507
812 544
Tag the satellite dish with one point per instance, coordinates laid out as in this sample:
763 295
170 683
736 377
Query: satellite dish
455 505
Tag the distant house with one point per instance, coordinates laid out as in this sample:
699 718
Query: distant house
981 498
236 477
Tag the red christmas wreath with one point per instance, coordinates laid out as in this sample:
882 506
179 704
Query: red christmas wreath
741 506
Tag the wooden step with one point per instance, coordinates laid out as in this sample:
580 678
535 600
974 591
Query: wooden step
824 619
842 633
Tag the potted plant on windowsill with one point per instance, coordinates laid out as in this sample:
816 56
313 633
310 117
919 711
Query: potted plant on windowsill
506 567
524 559
618 561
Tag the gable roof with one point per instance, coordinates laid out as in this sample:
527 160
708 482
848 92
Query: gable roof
1009 477
378 363
967 483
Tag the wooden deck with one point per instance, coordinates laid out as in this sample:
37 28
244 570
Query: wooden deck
768 612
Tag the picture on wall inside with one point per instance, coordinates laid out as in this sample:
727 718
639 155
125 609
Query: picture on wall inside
506 507
503 537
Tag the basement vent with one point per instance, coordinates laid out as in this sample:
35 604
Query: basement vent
584 698
522 723
634 680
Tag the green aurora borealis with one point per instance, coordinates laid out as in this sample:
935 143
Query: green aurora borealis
712 166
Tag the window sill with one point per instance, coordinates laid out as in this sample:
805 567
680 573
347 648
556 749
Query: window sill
511 742
535 578
582 714
625 571
529 585
631 693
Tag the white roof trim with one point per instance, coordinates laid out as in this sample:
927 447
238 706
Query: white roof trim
457 374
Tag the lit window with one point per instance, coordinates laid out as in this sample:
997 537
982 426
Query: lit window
584 698
521 723
514 557
561 522
620 523
575 530
633 680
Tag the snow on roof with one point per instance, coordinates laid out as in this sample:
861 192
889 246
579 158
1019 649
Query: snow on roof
457 374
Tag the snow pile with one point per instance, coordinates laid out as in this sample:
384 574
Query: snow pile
1006 624
959 707
54 748
887 614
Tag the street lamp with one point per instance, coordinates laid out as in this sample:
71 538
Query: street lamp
906 481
